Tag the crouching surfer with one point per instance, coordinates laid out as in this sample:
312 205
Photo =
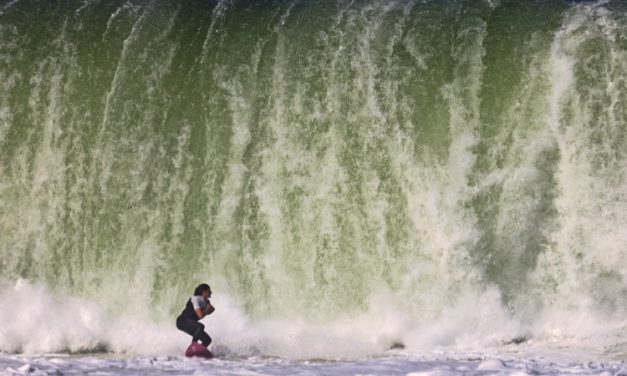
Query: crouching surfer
197 307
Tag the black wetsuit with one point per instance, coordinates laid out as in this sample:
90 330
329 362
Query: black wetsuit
188 322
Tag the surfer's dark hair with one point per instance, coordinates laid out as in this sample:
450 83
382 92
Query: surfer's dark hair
202 287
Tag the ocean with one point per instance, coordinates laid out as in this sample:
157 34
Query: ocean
369 187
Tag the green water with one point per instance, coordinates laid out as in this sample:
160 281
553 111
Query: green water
308 156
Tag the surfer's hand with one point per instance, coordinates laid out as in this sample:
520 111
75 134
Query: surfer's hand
209 309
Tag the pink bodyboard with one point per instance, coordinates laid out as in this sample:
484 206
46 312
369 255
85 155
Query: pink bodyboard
197 349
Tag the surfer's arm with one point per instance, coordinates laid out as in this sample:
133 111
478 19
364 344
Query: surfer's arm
200 313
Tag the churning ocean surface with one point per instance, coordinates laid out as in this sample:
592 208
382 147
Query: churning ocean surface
370 187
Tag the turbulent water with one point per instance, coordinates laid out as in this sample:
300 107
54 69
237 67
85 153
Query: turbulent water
349 176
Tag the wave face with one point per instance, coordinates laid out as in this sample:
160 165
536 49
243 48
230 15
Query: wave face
346 172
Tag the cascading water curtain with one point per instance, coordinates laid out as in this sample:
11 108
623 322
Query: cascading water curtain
430 172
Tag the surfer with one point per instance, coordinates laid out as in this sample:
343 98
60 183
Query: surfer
197 307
